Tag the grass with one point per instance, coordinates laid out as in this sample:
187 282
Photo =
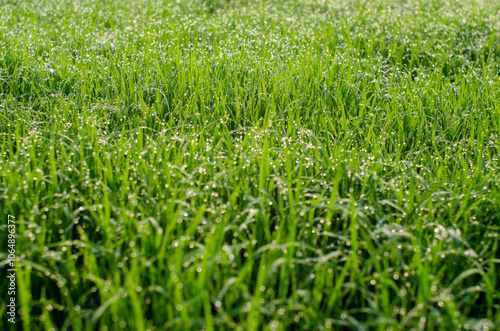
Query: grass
251 165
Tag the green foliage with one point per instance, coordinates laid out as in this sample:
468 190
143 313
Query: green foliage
251 164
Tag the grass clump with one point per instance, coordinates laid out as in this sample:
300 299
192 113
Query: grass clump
252 164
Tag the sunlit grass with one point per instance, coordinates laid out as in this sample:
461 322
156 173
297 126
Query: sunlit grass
252 164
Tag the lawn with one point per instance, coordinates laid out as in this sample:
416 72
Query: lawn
250 165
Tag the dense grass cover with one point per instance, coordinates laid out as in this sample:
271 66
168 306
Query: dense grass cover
251 164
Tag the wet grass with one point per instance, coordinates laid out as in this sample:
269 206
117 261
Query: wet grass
251 164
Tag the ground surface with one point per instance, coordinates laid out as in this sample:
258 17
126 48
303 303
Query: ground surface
251 164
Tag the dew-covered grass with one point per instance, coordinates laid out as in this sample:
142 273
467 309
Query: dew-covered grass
251 165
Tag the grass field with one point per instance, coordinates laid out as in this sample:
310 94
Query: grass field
251 165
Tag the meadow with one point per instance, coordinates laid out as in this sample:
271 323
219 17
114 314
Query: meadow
251 165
